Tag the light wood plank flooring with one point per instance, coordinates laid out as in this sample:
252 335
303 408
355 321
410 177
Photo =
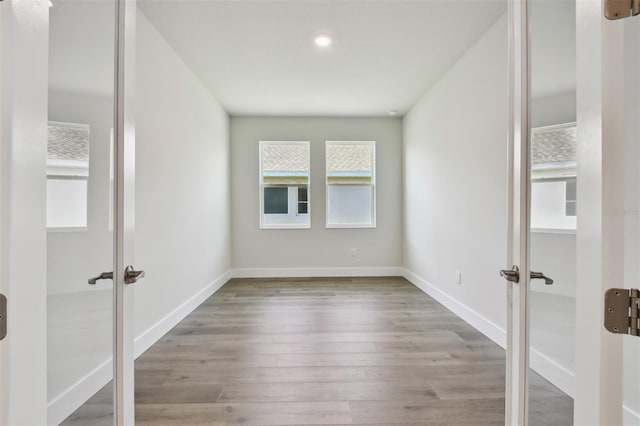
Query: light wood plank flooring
323 351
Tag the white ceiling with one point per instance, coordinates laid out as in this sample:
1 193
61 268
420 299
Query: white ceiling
258 57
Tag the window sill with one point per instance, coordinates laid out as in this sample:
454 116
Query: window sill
553 231
349 226
68 229
267 227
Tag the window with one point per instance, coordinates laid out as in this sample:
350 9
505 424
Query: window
67 176
284 185
351 194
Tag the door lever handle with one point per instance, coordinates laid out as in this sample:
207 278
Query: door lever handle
512 275
541 276
131 276
102 276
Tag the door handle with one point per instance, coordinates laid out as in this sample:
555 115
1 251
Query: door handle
541 276
102 276
131 276
512 275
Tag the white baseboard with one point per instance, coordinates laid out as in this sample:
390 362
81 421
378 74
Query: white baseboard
630 417
66 403
555 373
316 272
477 321
145 340
562 378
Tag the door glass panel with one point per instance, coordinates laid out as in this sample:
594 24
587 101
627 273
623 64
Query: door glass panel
79 237
553 211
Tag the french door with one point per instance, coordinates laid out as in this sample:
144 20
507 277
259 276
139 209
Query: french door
574 226
69 148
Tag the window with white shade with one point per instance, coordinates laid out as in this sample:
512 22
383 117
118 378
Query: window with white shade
67 176
351 191
284 184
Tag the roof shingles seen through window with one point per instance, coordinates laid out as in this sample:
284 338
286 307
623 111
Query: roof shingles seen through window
349 158
285 158
68 143
554 145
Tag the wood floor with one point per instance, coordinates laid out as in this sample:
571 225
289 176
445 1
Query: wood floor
323 351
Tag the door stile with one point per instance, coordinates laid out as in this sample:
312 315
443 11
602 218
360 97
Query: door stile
518 215
600 240
124 212
23 115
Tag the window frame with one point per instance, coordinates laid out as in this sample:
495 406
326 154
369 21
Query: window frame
571 201
373 185
292 204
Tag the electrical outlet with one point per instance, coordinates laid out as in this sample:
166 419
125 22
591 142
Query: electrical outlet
353 252
458 277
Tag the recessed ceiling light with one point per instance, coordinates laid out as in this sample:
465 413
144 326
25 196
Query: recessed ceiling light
393 113
323 40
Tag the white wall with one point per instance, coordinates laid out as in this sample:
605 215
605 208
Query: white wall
318 247
182 183
455 150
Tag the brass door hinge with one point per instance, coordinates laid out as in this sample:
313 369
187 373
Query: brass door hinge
618 9
622 311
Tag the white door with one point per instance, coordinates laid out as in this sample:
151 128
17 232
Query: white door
621 214
23 115
574 217
67 212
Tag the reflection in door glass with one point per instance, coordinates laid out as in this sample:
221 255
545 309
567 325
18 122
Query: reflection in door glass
67 175
553 211
79 239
